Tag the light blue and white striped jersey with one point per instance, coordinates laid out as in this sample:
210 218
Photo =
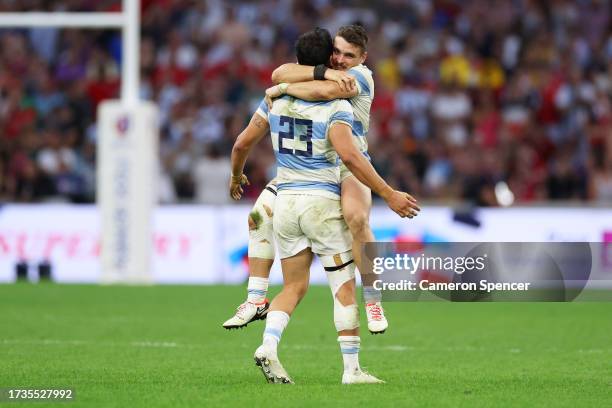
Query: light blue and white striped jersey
306 160
362 102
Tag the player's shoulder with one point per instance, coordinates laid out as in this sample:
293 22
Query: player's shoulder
262 109
364 79
361 70
336 105
280 104
341 110
343 104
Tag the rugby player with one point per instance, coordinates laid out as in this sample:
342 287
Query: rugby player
307 218
356 85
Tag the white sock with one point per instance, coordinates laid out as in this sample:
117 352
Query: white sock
275 325
349 346
257 290
371 295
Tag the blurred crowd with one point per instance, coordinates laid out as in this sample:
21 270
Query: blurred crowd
486 101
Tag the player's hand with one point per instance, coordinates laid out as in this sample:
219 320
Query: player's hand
344 80
271 93
236 183
402 203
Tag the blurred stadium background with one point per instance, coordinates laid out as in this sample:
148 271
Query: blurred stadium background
523 86
477 104
496 115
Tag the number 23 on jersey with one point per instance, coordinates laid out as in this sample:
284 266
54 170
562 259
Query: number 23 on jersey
296 136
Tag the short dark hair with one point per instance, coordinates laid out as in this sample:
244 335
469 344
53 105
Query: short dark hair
354 34
314 47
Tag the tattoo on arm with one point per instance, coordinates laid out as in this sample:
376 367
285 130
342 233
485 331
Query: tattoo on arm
259 122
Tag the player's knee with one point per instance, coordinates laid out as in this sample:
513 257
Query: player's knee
358 223
261 239
341 275
256 219
346 293
296 290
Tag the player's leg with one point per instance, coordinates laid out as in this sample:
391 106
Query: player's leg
356 205
296 272
331 239
261 257
261 244
340 270
296 258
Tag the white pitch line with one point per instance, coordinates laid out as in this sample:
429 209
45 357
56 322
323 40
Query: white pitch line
46 342
390 347
162 344
166 344
52 342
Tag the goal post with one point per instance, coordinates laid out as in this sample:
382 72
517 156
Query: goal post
127 147
126 189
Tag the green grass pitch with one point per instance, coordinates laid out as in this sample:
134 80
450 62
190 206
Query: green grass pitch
164 346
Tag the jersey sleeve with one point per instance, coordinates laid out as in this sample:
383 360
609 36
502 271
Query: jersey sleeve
364 80
262 109
342 112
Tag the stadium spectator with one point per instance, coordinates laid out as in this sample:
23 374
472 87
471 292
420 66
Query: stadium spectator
467 95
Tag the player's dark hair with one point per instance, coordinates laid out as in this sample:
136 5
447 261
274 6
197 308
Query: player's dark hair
354 34
314 47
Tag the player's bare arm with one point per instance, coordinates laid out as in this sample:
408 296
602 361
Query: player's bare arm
310 91
402 203
257 128
293 73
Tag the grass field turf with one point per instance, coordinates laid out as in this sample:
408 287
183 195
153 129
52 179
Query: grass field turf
164 346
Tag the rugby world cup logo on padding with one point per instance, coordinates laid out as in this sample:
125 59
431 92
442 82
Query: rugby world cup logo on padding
122 125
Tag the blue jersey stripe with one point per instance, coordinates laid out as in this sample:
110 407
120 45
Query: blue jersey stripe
295 162
343 116
319 130
358 128
263 106
365 87
310 185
